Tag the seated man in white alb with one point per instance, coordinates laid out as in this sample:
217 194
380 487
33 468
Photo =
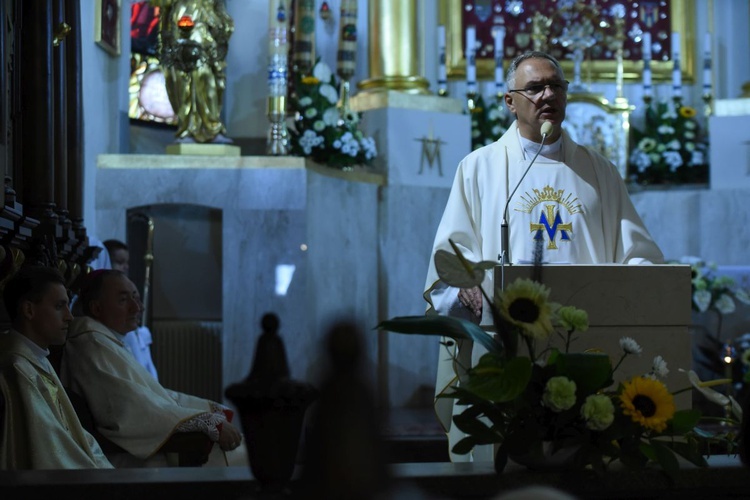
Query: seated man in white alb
129 407
40 429
138 342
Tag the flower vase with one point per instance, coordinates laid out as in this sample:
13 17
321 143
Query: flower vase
546 458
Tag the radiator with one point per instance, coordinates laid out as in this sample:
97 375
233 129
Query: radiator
187 356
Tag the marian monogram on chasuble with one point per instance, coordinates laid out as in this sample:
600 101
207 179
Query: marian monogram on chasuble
555 210
54 392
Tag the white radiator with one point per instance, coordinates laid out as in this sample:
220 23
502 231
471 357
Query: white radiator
187 356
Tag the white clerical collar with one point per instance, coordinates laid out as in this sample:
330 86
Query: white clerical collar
550 151
38 352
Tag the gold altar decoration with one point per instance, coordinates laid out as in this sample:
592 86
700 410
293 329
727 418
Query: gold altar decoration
682 20
194 38
393 48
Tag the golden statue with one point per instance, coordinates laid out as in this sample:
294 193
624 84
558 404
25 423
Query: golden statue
194 38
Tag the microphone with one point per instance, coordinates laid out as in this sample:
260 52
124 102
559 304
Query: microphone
504 229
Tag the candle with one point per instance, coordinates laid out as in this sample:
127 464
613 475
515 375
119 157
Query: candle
499 34
442 72
676 72
471 69
346 59
707 65
647 90
277 47
304 35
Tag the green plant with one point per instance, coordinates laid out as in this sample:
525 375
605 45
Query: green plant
539 398
489 121
324 130
670 149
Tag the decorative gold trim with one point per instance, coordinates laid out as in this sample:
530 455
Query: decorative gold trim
682 17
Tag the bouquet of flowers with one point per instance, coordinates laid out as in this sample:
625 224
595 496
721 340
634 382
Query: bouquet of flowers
546 401
711 291
324 130
671 149
488 122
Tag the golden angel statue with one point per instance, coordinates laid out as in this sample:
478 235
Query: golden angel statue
194 38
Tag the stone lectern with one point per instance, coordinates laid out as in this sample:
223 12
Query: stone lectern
649 303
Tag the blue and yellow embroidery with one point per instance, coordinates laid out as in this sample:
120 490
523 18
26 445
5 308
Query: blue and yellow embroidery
550 220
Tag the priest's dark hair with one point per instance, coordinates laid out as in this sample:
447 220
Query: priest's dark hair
91 288
29 283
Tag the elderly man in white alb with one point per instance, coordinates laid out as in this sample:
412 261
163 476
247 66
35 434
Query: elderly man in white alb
572 199
129 407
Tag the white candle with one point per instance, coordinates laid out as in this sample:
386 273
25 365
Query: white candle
499 34
442 72
646 49
471 68
676 72
707 64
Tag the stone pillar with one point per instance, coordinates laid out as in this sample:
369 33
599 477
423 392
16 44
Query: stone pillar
394 48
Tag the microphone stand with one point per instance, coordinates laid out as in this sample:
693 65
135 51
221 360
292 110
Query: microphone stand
504 228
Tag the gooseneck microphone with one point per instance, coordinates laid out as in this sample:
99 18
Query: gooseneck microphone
504 229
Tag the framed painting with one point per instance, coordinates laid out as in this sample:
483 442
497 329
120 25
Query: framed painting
107 25
660 18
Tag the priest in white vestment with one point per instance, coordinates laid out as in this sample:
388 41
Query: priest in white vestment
40 429
129 407
572 202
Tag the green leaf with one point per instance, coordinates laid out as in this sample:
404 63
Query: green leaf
684 421
690 452
453 272
499 381
446 326
590 371
665 457
477 429
464 446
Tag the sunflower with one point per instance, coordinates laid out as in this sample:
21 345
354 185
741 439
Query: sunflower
647 402
687 112
310 80
524 303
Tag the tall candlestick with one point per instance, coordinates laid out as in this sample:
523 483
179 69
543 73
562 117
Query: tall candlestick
676 72
304 35
471 68
498 32
442 71
707 64
346 60
647 88
277 142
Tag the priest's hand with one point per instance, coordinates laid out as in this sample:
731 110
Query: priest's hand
229 437
472 299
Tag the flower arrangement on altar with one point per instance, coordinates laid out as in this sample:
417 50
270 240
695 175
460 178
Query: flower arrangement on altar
489 121
711 291
540 402
671 148
324 130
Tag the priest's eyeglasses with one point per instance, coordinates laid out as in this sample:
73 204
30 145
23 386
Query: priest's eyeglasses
538 89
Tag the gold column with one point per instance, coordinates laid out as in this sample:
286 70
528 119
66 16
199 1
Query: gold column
393 46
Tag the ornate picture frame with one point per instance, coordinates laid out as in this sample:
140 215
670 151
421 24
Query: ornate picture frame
681 18
107 25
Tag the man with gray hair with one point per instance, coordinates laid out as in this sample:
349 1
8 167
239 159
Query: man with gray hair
572 202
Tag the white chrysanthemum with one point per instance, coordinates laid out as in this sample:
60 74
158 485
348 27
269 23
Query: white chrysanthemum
331 116
689 135
305 101
670 114
674 144
702 299
311 113
665 130
329 93
322 72
309 140
697 158
690 146
690 125
496 130
742 296
493 114
640 159
673 159
659 367
630 346
474 133
319 125
724 304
